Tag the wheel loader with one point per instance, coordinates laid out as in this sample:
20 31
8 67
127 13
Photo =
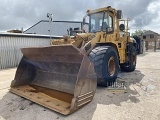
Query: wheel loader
63 77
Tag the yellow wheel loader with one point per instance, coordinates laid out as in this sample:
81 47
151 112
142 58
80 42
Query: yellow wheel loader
64 76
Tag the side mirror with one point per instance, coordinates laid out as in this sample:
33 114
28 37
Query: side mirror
122 27
119 14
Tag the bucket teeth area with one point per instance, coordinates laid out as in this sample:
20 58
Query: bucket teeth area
58 101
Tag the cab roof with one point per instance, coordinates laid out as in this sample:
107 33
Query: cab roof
109 8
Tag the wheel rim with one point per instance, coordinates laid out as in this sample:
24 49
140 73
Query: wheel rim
111 66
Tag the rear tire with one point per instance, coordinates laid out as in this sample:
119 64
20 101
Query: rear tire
131 65
106 64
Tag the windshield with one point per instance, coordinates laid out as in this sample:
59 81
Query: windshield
98 22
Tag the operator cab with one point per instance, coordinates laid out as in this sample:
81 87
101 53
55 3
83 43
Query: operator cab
100 21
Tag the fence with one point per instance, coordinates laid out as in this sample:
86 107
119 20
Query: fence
10 44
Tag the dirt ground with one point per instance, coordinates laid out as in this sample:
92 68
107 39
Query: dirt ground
139 101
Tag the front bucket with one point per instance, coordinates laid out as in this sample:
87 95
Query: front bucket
61 78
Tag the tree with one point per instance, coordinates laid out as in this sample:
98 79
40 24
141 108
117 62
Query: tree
138 32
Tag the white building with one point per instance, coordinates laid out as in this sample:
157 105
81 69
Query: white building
10 44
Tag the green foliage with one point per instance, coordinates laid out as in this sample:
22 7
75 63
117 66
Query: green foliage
138 32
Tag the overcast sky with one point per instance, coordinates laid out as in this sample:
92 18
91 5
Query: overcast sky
14 14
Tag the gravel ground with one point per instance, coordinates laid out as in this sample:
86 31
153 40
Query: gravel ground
140 100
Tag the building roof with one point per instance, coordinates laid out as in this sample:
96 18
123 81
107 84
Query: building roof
148 32
53 28
29 35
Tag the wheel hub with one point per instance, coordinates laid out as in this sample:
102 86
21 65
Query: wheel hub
111 66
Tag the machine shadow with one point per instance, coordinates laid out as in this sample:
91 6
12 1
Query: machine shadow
142 55
116 96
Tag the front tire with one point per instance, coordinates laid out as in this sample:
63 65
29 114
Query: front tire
106 64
